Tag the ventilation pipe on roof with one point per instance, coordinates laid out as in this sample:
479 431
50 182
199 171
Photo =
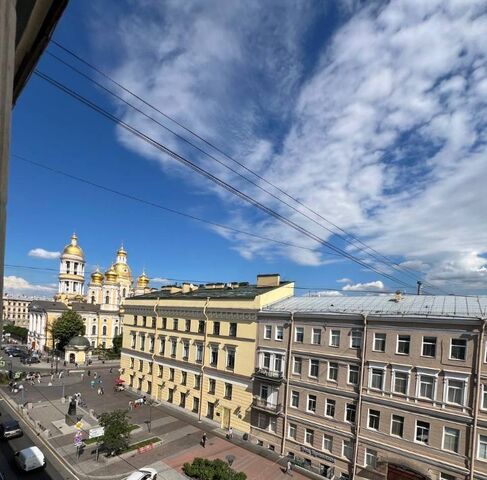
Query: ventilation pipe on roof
420 284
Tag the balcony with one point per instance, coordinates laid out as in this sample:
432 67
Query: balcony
263 404
271 375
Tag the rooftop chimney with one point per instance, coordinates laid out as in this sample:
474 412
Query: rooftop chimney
268 280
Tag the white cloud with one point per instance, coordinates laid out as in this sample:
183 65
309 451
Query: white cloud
387 141
161 280
326 293
376 286
344 280
20 286
41 253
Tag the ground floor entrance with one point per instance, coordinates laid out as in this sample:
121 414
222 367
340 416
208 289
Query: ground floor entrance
226 418
399 472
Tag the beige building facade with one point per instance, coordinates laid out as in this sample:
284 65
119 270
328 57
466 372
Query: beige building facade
16 311
194 347
386 388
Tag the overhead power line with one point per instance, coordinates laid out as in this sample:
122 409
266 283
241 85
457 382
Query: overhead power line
201 171
354 242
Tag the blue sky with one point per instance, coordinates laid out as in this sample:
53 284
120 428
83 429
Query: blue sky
372 115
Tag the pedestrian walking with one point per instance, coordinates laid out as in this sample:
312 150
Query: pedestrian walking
203 440
95 376
52 377
230 433
102 391
111 369
289 467
131 405
82 376
89 372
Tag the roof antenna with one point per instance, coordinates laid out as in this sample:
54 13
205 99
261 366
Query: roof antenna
420 284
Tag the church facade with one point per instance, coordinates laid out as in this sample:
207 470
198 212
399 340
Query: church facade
100 303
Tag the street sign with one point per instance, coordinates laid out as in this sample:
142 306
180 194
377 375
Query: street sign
79 425
96 432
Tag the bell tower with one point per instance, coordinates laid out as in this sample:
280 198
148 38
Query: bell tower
71 272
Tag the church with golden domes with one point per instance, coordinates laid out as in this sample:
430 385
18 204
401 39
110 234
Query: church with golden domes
99 304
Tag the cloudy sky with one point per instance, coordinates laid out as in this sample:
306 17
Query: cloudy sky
372 117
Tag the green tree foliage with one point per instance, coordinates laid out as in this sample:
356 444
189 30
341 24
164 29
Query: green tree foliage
18 332
204 469
117 344
117 430
68 325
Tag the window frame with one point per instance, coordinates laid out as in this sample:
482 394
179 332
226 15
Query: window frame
300 331
312 364
300 363
295 395
450 356
398 342
374 346
416 432
457 439
423 343
308 398
332 403
354 337
357 371
316 331
376 416
280 338
479 443
335 380
402 426
330 343
323 442
267 332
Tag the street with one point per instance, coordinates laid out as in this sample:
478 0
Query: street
8 448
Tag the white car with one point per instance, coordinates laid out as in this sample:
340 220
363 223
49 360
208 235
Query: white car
145 473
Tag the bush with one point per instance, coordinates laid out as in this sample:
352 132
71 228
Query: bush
204 469
20 333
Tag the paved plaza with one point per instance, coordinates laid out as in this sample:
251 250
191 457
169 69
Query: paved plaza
179 432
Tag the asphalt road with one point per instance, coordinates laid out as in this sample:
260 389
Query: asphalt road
53 471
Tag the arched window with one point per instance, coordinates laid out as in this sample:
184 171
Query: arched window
116 331
92 299
107 299
124 292
93 330
104 331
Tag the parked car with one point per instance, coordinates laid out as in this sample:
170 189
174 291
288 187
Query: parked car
30 360
30 458
10 429
16 352
145 473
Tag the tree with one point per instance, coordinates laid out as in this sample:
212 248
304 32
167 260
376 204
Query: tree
20 333
117 344
117 430
68 325
204 469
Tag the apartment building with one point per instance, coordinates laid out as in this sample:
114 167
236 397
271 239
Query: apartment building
383 387
16 310
194 346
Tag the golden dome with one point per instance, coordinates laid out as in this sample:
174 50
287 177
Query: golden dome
111 275
142 280
123 270
121 251
97 277
73 248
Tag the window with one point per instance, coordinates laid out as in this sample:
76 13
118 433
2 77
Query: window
299 334
164 323
401 382
446 476
278 363
171 374
292 430
370 458
211 386
266 360
294 399
263 421
297 365
316 337
214 356
482 450
199 352
309 436
230 358
232 331
268 332
142 338
484 397
196 404
228 391
161 371
175 324
311 403
216 328
429 347
201 326
333 371
350 413
379 342
174 347
335 338
427 386
93 332
374 419
458 349
377 379
328 443
184 378
397 426
451 439
279 333
353 374
422 432
188 325
356 339
151 343
314 366
403 344
347 450
455 391
197 381
104 332
330 408
185 350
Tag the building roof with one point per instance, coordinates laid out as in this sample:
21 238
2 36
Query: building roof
243 290
79 341
387 305
85 307
40 305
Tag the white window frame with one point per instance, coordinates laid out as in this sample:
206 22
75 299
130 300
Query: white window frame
368 451
356 331
316 330
392 423
374 349
483 402
351 449
460 377
311 360
328 372
368 420
292 398
334 407
416 433
300 365
431 373
330 437
457 438
422 346
407 371
266 336
295 426
307 403
300 329
346 411
358 374
306 432
478 447
331 344
279 328
451 346
377 366
397 344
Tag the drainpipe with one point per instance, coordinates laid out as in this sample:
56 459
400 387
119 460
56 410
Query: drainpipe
200 409
286 385
155 340
358 418
476 399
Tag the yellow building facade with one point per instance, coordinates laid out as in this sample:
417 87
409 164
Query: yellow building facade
194 347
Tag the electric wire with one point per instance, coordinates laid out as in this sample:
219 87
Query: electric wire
376 254
201 171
